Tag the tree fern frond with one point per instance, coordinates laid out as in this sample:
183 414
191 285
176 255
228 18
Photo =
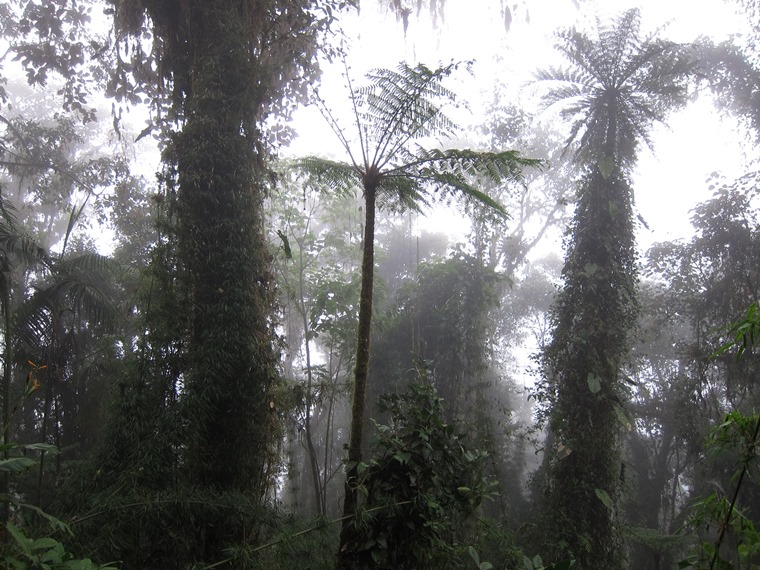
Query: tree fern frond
449 184
582 53
561 76
620 41
453 170
492 166
403 104
401 193
336 128
333 175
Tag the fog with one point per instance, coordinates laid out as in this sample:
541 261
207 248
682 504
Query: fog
405 285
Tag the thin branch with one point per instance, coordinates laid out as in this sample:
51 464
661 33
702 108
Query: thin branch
730 512
332 121
352 94
319 526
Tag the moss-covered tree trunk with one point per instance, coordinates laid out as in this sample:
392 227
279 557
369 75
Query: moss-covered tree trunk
594 315
232 360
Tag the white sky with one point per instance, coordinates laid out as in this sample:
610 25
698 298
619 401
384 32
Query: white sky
667 185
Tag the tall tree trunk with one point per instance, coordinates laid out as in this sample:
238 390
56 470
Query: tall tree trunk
327 459
231 350
594 315
7 377
313 459
360 378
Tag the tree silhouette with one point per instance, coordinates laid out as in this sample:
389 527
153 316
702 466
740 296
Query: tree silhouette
618 84
217 74
396 108
16 249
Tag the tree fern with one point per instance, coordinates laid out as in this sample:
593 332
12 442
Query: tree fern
394 110
617 85
619 82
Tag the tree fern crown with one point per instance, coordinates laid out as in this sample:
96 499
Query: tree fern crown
618 84
392 113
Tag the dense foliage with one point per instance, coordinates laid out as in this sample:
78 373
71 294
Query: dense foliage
187 374
411 513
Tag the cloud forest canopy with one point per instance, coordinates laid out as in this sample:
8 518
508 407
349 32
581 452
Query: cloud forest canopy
223 329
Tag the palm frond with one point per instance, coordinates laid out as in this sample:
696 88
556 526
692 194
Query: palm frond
85 294
79 291
16 245
8 212
88 262
34 324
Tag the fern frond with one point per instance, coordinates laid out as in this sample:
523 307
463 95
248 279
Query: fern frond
332 175
404 104
16 245
454 171
401 193
618 83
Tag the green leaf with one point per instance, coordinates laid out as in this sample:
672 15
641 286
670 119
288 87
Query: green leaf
590 268
604 497
594 383
606 166
20 538
54 522
402 457
285 244
46 447
44 543
474 555
16 464
563 565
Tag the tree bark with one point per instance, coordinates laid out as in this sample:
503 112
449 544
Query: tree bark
360 378
232 357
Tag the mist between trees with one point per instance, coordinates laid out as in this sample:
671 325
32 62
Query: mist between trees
275 362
